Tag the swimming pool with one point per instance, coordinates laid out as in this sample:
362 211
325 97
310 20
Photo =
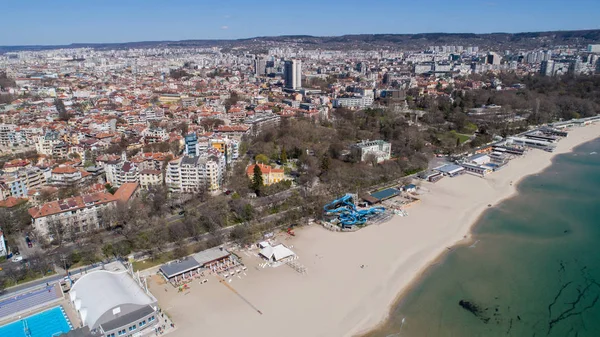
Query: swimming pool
43 324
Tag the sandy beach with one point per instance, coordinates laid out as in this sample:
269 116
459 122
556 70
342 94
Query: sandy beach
352 278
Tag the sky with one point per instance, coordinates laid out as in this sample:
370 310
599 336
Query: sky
43 22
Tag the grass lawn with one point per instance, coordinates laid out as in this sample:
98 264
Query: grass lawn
462 137
149 263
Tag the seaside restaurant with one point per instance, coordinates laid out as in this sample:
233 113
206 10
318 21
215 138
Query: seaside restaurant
451 170
179 270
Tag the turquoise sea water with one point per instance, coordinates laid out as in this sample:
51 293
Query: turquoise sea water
48 323
534 269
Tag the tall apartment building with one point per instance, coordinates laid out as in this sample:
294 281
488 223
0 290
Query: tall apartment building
119 172
191 145
382 150
260 67
190 174
20 182
292 72
7 134
49 143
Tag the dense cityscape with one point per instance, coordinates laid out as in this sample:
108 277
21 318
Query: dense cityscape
138 156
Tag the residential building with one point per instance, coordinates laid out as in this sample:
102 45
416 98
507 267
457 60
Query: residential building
7 134
382 150
45 144
260 67
150 178
21 181
77 214
121 171
353 102
3 249
259 122
191 174
66 176
155 135
493 58
293 74
270 175
593 48
191 145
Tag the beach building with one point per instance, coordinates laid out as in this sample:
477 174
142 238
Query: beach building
190 266
510 149
479 159
212 257
481 170
450 170
410 188
533 143
385 194
112 304
276 253
180 269
431 176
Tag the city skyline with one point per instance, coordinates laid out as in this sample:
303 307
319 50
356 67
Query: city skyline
117 22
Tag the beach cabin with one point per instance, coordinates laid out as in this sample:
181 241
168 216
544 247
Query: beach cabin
410 188
277 253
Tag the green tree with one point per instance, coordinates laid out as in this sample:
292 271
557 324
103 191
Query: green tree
261 158
257 179
325 163
283 155
108 250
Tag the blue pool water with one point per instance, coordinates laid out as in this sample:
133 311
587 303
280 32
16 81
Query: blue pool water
44 324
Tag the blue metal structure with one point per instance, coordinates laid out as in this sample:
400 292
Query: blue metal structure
347 214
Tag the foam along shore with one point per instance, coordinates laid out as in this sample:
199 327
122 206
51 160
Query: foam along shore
353 278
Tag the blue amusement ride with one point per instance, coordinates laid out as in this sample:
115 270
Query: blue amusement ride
348 214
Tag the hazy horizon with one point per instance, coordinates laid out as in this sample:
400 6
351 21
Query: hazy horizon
38 22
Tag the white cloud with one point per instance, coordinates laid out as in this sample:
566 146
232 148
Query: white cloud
224 27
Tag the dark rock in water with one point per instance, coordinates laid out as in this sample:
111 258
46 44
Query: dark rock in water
471 307
518 317
475 310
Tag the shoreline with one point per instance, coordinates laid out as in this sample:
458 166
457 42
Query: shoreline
353 279
566 145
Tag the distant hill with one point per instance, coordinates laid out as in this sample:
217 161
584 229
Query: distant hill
494 41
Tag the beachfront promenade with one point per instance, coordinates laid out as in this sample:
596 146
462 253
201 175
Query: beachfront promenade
352 278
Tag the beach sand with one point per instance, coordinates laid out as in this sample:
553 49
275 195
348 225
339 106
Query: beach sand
338 297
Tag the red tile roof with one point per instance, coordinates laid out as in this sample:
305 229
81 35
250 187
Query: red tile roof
265 169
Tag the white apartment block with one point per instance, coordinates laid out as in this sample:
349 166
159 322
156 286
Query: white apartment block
353 102
382 150
190 174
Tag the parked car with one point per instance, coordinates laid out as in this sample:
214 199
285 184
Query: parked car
29 242
17 259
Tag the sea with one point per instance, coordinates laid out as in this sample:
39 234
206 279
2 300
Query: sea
532 269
